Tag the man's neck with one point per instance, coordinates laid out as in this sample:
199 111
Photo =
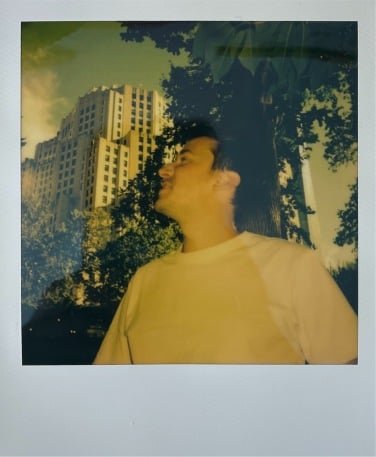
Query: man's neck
207 232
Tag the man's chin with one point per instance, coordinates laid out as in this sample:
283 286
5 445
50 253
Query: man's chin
159 207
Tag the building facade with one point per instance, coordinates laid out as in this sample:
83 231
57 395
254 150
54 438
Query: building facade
102 144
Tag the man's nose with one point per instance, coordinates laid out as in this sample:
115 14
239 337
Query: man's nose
166 171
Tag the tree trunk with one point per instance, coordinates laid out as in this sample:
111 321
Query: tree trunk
248 137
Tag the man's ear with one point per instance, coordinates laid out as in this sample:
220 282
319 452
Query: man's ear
227 179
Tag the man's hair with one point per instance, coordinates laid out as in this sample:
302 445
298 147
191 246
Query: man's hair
200 128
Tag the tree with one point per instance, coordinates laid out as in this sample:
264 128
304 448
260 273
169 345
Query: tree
138 235
47 255
346 277
348 228
250 79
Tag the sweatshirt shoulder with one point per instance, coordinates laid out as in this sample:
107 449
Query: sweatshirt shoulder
278 247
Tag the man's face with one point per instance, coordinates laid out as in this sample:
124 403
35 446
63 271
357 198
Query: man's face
187 183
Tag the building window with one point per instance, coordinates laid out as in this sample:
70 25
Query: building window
108 149
119 116
124 183
107 158
113 180
87 117
140 166
105 177
71 181
119 108
87 109
104 199
86 126
91 123
105 188
106 168
140 156
149 150
140 148
118 133
113 191
93 106
66 174
124 172
114 170
92 116
140 113
114 160
148 123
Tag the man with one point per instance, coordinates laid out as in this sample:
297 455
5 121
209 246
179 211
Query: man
226 297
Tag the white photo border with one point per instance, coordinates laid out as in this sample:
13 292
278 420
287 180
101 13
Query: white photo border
183 410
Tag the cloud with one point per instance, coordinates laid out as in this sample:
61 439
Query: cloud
41 43
335 256
39 102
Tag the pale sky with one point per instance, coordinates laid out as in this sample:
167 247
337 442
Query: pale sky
62 61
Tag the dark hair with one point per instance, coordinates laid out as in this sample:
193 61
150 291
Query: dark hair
197 128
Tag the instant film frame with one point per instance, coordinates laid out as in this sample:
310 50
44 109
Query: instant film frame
86 142
257 406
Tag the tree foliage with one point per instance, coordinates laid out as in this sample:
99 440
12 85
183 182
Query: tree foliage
348 228
346 276
252 80
139 234
47 255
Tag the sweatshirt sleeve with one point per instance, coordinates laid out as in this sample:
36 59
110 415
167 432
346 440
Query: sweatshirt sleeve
328 326
114 349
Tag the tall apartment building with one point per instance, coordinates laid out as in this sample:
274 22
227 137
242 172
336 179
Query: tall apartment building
102 144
